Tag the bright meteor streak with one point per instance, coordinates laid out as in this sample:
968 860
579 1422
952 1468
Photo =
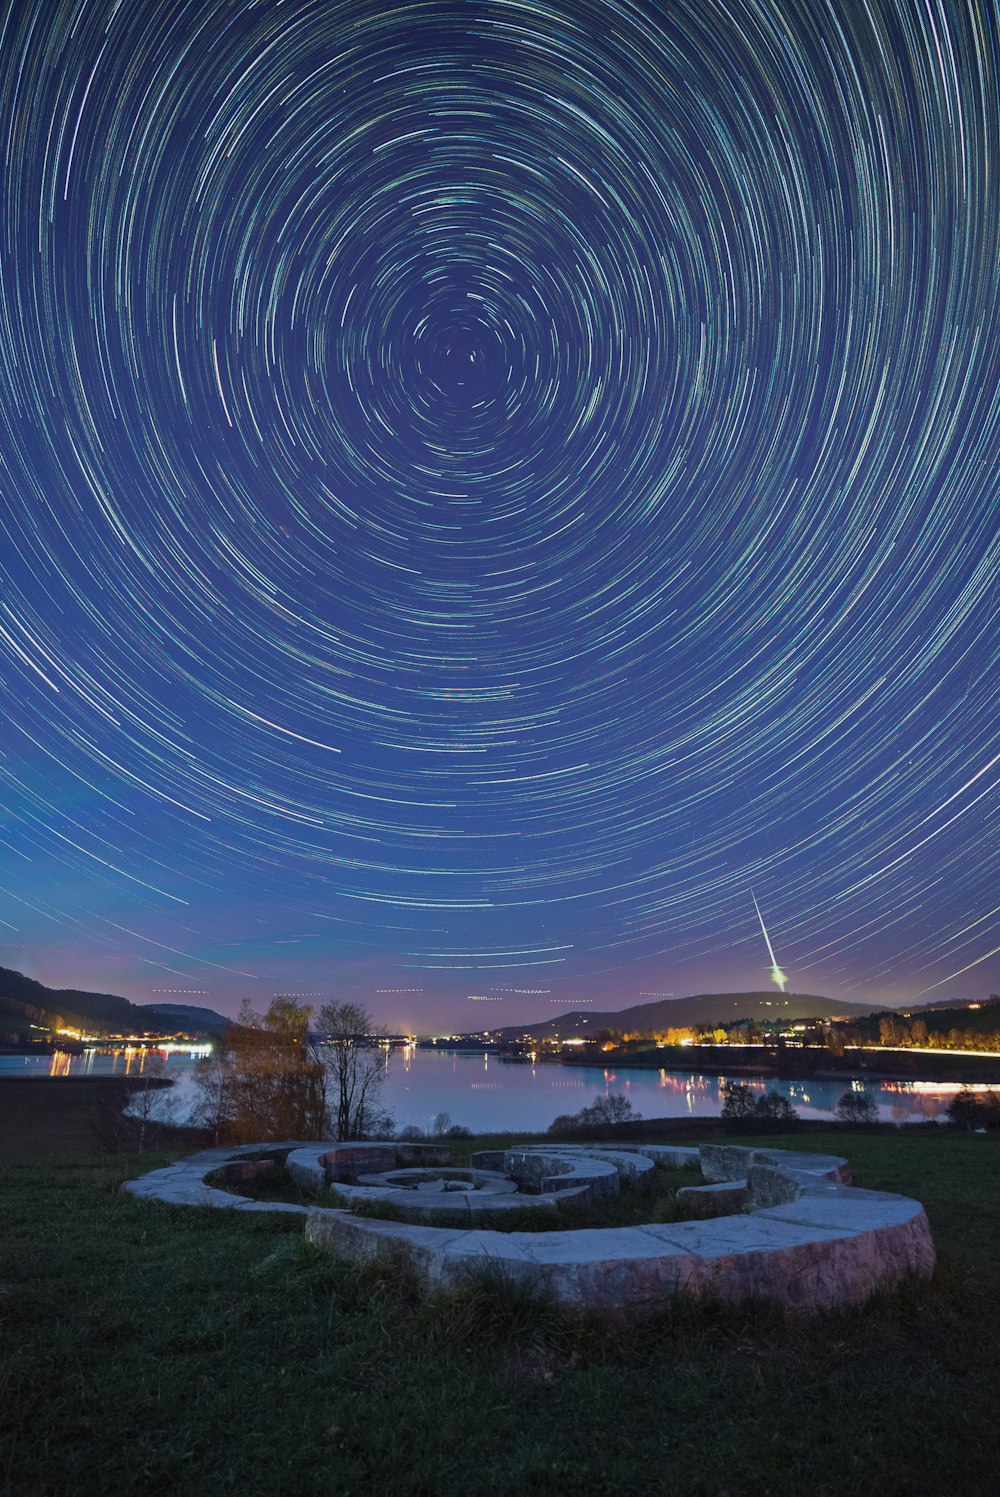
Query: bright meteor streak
777 976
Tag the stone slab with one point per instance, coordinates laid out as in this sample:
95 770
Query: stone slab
714 1200
845 1210
823 1244
720 1162
670 1155
553 1170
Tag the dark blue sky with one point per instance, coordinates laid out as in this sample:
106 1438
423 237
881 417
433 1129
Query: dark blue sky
485 484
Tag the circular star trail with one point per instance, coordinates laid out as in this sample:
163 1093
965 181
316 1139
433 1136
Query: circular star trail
484 484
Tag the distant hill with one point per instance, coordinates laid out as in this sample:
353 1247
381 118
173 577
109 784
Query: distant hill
951 1004
189 1014
24 1002
701 1008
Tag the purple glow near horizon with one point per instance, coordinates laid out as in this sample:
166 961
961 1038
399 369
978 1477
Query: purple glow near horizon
482 486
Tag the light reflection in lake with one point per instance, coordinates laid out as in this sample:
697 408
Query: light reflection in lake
423 1083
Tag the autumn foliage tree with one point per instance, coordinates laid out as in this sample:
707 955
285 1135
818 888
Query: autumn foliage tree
268 1083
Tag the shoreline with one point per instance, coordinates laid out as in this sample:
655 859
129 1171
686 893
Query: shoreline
779 1064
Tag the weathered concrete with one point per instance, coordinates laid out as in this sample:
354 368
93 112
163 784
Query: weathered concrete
721 1162
554 1170
628 1164
823 1244
808 1242
183 1183
714 1200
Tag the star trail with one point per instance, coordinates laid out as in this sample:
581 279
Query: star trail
483 484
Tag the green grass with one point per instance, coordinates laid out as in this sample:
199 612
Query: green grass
154 1349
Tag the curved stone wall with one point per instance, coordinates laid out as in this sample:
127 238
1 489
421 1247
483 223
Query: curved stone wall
805 1238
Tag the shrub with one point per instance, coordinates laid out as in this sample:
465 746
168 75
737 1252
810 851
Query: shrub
603 1112
971 1110
774 1108
739 1103
612 1109
856 1107
741 1109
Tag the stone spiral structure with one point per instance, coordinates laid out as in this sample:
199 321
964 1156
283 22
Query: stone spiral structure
793 1230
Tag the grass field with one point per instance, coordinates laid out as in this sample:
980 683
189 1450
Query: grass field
80 1116
154 1349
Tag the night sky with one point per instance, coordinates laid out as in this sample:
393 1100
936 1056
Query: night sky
485 485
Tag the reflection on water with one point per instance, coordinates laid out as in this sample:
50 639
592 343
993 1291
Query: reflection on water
119 1060
422 1083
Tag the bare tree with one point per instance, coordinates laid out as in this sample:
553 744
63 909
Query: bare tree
216 1105
354 1051
856 1107
151 1102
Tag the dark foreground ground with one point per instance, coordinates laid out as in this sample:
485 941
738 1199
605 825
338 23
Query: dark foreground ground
154 1349
68 1117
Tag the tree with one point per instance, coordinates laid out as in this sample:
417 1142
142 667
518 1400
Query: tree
887 1030
603 1112
834 1040
740 1108
608 1111
151 1102
774 1108
856 1107
215 1106
354 1053
966 1110
738 1102
275 1084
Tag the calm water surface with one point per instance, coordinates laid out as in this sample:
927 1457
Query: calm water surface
489 1095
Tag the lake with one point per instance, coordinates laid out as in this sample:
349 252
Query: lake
485 1094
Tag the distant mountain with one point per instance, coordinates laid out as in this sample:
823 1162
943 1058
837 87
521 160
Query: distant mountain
701 1008
24 1002
993 1001
193 1017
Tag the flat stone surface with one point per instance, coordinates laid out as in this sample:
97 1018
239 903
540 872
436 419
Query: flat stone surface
823 1244
635 1168
287 1206
848 1210
729 1236
591 1245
